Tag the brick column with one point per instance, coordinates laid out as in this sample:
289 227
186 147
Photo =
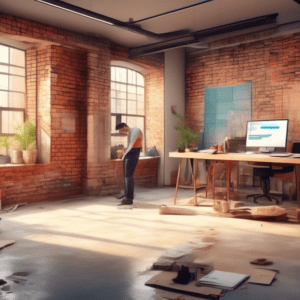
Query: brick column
100 174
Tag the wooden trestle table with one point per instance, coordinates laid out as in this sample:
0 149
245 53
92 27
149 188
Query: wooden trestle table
229 158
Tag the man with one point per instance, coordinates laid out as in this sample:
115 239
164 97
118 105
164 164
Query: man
130 159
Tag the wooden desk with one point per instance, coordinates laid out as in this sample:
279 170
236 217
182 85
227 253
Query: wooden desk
235 157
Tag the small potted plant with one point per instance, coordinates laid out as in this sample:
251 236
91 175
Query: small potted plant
4 142
26 136
186 137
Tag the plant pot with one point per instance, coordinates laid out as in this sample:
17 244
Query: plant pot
16 157
181 150
29 156
4 159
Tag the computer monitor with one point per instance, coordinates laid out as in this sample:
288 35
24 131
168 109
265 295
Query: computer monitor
267 134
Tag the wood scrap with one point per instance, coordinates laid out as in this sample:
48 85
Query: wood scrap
167 210
6 243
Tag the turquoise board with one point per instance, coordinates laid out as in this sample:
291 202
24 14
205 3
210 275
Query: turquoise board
227 110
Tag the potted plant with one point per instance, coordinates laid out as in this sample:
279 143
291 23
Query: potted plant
4 159
186 137
26 136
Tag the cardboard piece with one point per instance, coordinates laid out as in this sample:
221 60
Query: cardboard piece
7 243
163 280
164 295
262 276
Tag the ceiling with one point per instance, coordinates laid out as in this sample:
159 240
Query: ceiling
195 18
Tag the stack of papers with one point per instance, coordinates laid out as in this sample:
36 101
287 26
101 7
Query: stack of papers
224 280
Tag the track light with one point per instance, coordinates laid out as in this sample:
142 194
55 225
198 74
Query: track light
78 10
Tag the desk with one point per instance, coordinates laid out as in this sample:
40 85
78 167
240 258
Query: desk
235 157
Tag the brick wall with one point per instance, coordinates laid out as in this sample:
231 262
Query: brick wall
67 90
272 66
145 174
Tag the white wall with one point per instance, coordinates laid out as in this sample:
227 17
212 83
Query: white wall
174 96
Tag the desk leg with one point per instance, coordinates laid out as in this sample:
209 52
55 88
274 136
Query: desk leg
177 181
227 167
298 183
195 167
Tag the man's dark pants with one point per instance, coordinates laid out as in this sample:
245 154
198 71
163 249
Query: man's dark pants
129 163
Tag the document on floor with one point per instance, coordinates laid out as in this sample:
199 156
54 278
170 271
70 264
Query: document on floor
220 279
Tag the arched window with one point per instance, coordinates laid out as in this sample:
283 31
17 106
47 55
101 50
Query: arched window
127 103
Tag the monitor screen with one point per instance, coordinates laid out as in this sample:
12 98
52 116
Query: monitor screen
267 133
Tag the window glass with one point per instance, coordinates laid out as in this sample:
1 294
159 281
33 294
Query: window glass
3 99
113 104
121 106
4 54
17 84
3 82
10 119
140 79
3 68
132 107
17 57
121 74
17 71
16 100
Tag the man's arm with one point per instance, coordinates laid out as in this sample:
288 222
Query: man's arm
132 138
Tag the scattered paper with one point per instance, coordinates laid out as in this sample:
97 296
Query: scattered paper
223 280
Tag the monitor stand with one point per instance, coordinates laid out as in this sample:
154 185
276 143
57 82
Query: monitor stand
267 149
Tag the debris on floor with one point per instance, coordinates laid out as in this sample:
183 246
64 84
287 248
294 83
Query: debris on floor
262 276
5 288
183 266
7 243
167 210
9 209
272 212
2 282
261 262
16 279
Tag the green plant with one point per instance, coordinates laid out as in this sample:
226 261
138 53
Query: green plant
187 136
26 135
4 142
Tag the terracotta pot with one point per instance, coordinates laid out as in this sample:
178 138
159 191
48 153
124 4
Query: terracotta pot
16 157
30 156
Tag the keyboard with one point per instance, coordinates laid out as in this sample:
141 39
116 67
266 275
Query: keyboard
211 151
283 154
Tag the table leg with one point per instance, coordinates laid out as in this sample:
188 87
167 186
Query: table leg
195 165
177 181
297 167
227 168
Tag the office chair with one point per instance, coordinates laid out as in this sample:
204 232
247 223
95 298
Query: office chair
266 173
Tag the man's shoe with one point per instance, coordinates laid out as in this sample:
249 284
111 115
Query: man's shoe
126 201
120 196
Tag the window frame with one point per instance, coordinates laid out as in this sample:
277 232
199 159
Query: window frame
119 115
2 108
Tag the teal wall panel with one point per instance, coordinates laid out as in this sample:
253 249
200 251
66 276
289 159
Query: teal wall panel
227 110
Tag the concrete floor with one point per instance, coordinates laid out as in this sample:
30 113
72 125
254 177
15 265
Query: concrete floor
87 248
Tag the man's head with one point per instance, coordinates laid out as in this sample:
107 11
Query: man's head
122 127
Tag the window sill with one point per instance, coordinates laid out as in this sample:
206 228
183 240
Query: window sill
19 165
141 158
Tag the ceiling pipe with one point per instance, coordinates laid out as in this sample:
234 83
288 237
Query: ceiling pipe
170 12
236 26
110 21
201 35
